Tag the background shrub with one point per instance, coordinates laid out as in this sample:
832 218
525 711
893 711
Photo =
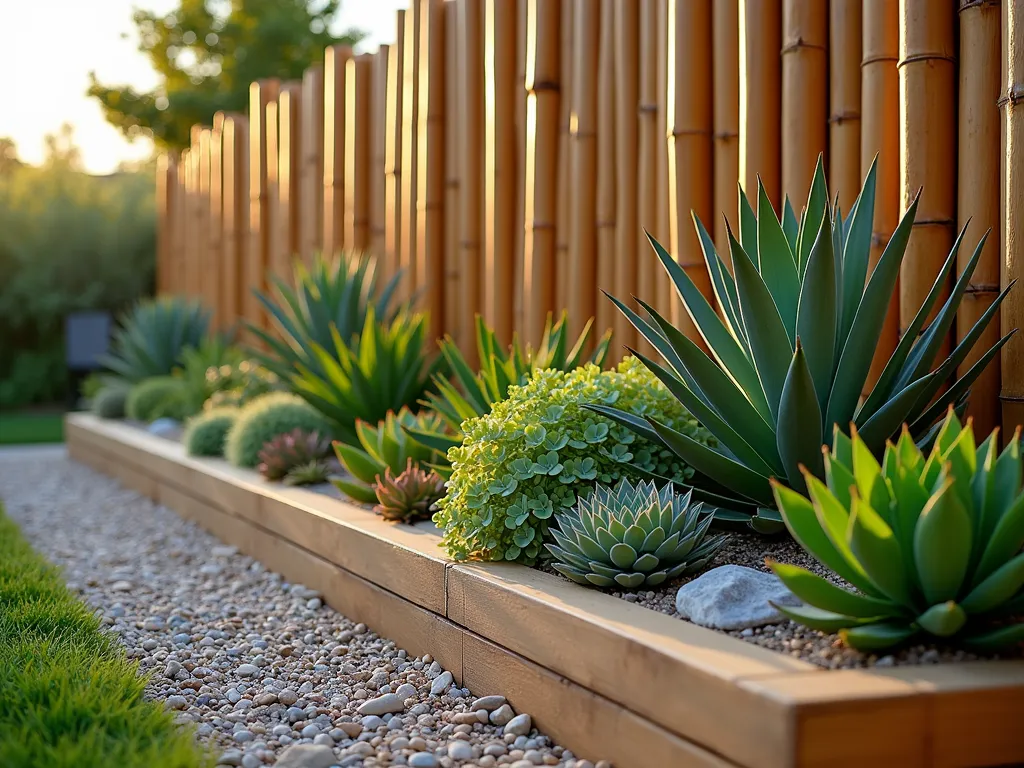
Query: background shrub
536 451
265 418
109 403
156 398
206 433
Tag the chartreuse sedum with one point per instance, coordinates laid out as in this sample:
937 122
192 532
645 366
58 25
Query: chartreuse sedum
790 355
931 544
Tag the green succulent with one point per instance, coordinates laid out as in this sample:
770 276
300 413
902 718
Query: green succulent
153 336
384 446
109 402
791 355
282 454
538 450
265 418
201 366
632 536
312 472
932 545
157 398
238 384
410 495
472 394
206 433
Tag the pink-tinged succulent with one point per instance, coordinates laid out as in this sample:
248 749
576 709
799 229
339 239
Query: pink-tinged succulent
286 452
410 496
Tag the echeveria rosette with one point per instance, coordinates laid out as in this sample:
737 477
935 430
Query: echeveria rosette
932 545
540 448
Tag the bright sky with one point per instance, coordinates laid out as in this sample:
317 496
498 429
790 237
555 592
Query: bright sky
43 87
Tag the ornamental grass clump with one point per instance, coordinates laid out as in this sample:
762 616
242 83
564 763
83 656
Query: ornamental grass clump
932 545
109 402
206 433
153 336
539 450
162 397
633 536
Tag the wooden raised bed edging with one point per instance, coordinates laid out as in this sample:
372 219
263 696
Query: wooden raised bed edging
602 676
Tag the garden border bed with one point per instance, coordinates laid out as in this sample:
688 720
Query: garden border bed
602 676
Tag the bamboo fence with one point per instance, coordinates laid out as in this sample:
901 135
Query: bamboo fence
507 155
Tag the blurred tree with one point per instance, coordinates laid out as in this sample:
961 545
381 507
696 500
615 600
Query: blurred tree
8 155
206 54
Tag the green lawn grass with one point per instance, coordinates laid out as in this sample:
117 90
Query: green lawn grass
21 428
69 698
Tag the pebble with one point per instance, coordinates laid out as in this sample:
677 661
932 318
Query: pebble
460 750
306 756
247 670
441 683
502 715
489 703
382 705
230 757
519 725
176 702
422 760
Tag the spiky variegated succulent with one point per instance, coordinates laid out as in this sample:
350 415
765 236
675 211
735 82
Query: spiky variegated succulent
932 545
632 536
384 445
284 453
312 472
409 496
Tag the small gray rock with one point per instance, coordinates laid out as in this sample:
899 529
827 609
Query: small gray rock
247 670
406 690
382 705
324 739
250 760
460 750
121 586
242 736
163 427
519 725
422 760
441 683
176 702
310 731
287 697
306 756
490 703
502 715
371 723
230 757
173 668
733 597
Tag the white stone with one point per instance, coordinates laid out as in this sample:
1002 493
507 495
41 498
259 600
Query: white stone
406 691
490 703
502 715
460 750
247 670
733 597
382 705
306 756
441 683
519 725
422 760
163 427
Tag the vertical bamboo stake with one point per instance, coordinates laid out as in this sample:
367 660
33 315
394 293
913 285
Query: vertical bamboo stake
335 58
166 207
845 43
430 256
1012 177
288 179
207 272
726 119
181 227
235 193
357 153
880 136
661 231
501 183
188 267
410 150
519 274
607 168
215 223
378 133
927 146
760 97
471 151
565 188
276 266
312 171
539 245
456 81
804 93
648 266
261 95
582 260
627 97
393 152
978 197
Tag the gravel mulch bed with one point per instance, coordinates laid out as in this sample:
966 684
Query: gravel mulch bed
258 665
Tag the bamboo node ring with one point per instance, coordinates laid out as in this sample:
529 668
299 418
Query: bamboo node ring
694 132
943 222
880 59
1013 96
799 43
981 288
923 57
544 85
966 5
725 135
844 117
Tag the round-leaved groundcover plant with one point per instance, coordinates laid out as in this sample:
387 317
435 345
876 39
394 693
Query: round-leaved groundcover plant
540 448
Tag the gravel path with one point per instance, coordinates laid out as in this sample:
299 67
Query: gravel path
266 672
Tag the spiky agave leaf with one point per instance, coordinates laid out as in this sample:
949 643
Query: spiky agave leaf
632 536
931 545
409 495
790 357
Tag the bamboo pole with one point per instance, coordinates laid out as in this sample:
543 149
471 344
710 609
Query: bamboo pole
430 255
188 266
880 137
357 153
1012 178
215 223
627 98
665 297
726 120
410 150
312 169
647 158
542 109
977 196
181 226
927 146
565 188
471 108
235 193
607 168
166 208
289 188
690 111
760 96
582 258
378 133
261 95
456 80
207 269
522 95
804 93
845 42
501 182
276 266
335 58
394 127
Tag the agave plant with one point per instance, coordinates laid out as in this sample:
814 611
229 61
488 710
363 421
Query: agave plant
790 357
632 536
932 545
410 496
312 472
153 337
384 446
473 394
284 453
